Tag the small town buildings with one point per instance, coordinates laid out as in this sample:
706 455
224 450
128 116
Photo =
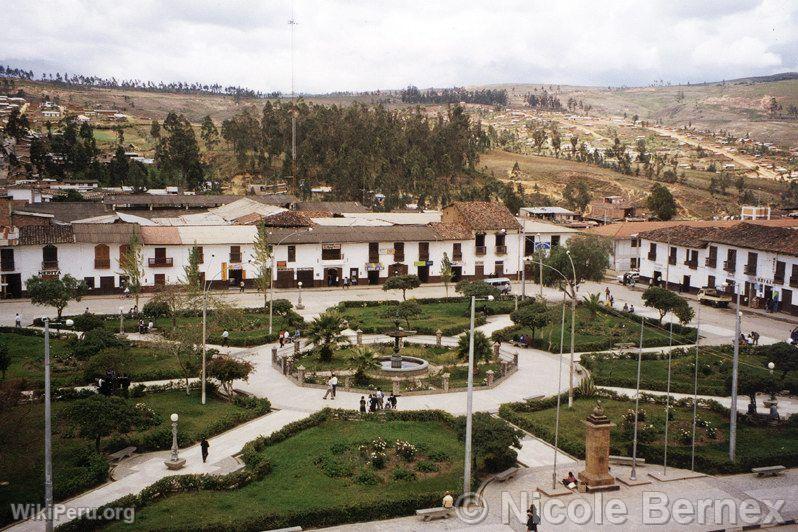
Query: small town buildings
611 209
555 214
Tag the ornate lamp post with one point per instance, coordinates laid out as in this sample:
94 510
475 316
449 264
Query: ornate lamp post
174 462
299 304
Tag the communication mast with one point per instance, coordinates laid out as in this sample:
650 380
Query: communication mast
293 23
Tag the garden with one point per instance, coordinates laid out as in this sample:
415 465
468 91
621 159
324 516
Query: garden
86 427
714 369
331 468
758 443
596 328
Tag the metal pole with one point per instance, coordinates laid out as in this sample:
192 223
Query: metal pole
469 404
633 475
540 266
695 385
48 452
522 259
121 321
573 324
204 339
668 400
271 292
559 393
735 366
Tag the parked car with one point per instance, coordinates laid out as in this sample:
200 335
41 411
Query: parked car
502 283
713 298
630 277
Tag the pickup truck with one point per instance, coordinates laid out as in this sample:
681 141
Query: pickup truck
713 298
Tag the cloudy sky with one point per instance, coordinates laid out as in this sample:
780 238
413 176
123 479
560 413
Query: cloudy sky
371 44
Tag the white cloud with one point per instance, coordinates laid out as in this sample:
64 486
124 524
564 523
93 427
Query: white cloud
359 45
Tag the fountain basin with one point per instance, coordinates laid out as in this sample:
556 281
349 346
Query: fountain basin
410 367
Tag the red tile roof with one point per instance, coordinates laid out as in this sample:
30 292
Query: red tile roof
485 215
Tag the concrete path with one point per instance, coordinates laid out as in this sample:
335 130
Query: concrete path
143 470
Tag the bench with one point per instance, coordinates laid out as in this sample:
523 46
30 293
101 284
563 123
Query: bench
505 475
769 471
127 452
434 513
626 460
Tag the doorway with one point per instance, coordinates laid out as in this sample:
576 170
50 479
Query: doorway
457 273
13 282
423 274
374 277
332 276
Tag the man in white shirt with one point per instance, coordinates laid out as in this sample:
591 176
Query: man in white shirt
448 500
334 385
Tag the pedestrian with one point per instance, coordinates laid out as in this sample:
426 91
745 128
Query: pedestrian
362 404
297 334
607 293
127 293
612 301
533 519
755 337
141 326
204 446
241 285
329 390
334 384
372 402
281 338
225 338
17 321
86 311
626 307
380 398
632 308
392 401
150 325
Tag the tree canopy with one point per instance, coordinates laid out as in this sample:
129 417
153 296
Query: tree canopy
403 283
661 202
664 301
534 316
55 292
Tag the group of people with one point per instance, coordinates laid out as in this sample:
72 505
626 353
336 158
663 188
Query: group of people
751 339
629 308
284 337
377 401
144 328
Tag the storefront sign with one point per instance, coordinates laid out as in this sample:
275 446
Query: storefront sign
281 264
374 267
423 263
331 246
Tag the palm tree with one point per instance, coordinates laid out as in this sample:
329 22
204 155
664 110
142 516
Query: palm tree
593 303
325 333
364 359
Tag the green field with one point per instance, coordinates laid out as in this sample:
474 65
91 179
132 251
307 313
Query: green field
317 471
756 444
27 361
714 367
451 317
594 332
76 465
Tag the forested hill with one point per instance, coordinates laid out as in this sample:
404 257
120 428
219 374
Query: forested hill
359 148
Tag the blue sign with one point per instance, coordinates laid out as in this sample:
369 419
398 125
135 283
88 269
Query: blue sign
542 245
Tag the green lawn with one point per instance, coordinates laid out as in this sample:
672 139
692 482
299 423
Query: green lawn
76 465
251 329
451 317
762 445
300 483
594 332
714 366
27 361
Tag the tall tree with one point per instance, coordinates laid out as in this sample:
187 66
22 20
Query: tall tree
56 292
263 262
446 272
660 201
209 133
577 195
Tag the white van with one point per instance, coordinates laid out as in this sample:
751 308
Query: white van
502 283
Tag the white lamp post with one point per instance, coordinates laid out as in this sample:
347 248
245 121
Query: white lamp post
121 320
299 304
573 322
470 399
174 462
559 393
48 427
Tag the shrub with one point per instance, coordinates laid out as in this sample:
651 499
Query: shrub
439 456
156 309
426 466
333 467
339 447
87 322
402 474
367 478
406 450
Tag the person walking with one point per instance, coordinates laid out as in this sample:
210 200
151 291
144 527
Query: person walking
334 385
204 446
329 391
362 404
380 398
281 338
225 338
17 321
242 286
533 519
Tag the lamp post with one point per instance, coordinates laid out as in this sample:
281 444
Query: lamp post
174 462
522 254
695 385
121 320
633 475
271 276
540 258
205 289
573 322
48 427
299 304
668 399
470 399
559 393
735 369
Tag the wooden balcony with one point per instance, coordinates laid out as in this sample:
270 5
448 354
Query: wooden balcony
652 256
102 264
692 264
235 258
480 251
501 250
729 266
749 269
7 266
49 265
160 262
711 262
794 282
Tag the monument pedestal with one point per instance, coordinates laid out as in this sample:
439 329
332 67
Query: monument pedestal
597 452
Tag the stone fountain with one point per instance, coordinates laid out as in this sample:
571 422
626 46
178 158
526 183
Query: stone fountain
398 365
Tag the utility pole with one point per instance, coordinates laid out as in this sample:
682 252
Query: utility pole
48 430
293 23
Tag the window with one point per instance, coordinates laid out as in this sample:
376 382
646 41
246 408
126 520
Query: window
7 260
672 255
711 281
160 259
49 257
731 261
479 242
123 251
794 276
500 238
423 251
398 251
235 254
374 252
712 258
555 241
200 254
457 251
750 267
89 281
778 276
635 242
291 253
652 251
331 252
102 257
633 263
160 279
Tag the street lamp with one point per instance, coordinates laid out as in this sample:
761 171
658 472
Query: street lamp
559 393
174 462
633 475
299 305
271 274
735 366
470 398
206 287
573 322
121 320
48 427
